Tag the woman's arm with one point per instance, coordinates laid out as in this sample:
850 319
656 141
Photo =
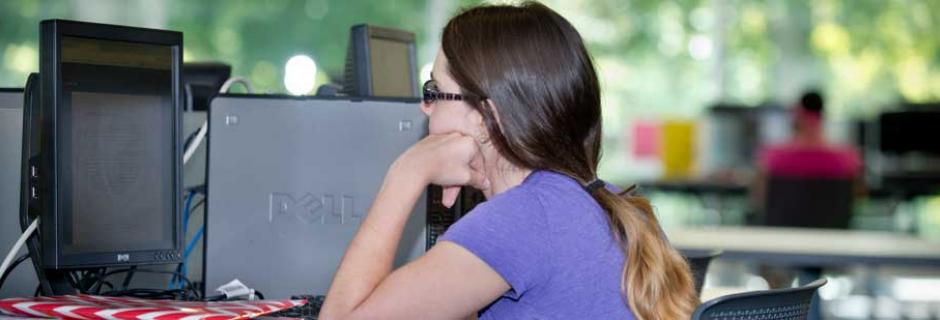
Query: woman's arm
447 282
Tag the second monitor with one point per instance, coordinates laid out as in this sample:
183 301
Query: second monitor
380 62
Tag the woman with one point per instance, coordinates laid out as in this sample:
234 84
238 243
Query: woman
514 107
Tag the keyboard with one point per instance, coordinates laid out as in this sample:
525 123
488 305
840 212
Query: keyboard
309 311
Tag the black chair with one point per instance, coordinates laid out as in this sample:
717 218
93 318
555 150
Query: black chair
808 202
777 304
698 263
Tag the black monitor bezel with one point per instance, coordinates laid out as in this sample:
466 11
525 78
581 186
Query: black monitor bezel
51 33
206 76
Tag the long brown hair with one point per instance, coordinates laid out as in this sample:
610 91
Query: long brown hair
532 64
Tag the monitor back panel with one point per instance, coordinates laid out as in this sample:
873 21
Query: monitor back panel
22 280
289 182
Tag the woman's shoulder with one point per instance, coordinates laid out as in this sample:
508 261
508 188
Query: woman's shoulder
538 189
510 233
517 202
541 197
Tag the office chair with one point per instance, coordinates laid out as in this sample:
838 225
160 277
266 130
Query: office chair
777 304
808 202
698 263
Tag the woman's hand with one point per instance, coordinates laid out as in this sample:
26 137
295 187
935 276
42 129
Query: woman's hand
364 286
448 160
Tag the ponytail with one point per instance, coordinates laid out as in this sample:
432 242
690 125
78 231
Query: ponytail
656 280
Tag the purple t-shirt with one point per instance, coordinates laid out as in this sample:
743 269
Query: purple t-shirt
550 240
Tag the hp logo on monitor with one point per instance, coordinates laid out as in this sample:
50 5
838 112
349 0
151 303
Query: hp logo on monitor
124 257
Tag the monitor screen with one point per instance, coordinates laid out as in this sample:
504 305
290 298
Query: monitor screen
391 68
380 62
117 156
905 132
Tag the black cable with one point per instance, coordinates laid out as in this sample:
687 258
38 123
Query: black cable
215 298
96 286
81 278
105 283
175 294
195 206
127 278
189 139
74 283
200 189
8 271
190 288
179 270
87 279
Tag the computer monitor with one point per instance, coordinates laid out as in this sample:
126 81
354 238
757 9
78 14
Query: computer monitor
101 158
202 81
380 62
903 132
908 152
21 281
731 136
734 134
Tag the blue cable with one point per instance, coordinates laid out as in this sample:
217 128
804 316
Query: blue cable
184 270
189 202
192 244
189 250
175 278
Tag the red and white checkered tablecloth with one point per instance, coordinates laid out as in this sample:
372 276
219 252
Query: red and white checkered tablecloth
88 307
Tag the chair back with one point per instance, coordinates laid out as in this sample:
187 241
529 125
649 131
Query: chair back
808 202
777 304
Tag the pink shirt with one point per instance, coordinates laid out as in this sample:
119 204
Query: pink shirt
815 161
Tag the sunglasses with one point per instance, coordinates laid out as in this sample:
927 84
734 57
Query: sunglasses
431 93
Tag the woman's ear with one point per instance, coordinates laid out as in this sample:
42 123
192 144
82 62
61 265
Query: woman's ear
426 108
480 124
478 127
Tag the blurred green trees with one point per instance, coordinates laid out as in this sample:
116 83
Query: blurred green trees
657 59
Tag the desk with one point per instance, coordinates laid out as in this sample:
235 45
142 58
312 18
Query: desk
695 187
889 190
809 247
723 203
